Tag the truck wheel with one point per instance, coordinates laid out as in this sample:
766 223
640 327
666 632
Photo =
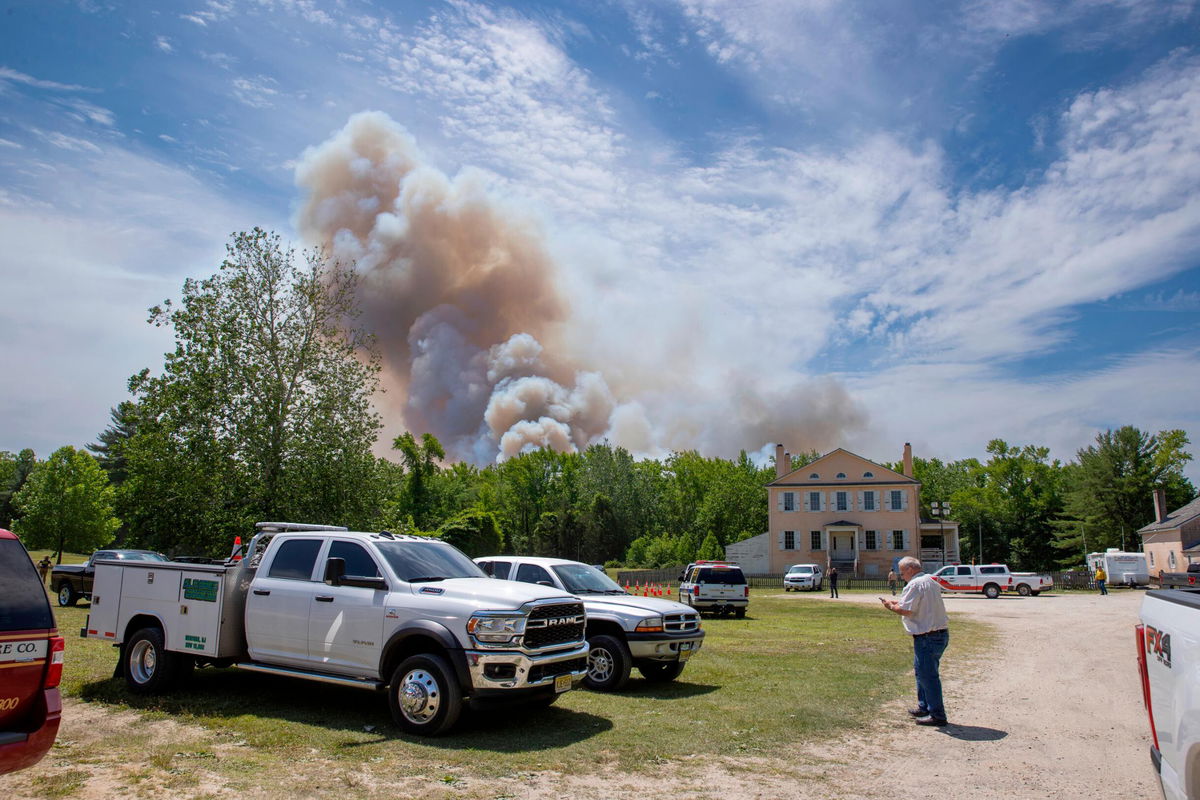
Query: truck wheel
67 595
660 671
423 695
991 591
1024 590
149 667
608 664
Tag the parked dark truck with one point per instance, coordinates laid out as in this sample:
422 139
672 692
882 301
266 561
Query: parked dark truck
409 615
74 581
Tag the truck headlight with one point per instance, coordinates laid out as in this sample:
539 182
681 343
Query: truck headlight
650 625
496 629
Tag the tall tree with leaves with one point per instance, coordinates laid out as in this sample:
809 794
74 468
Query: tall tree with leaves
1111 485
109 449
67 504
262 410
420 462
14 472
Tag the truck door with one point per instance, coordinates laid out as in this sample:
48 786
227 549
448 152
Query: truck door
345 623
945 577
278 605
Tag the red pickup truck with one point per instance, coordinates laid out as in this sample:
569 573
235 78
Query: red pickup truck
31 661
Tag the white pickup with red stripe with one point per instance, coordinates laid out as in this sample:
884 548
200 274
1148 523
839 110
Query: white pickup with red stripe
988 579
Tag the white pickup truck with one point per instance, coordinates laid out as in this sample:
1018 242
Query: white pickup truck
990 579
1029 584
1168 645
410 615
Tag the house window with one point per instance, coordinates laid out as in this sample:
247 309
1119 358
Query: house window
815 540
841 475
897 499
789 501
868 474
843 501
1171 559
868 501
814 477
789 540
814 501
897 540
1152 558
872 541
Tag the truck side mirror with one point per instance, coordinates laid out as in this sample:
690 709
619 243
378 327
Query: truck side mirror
335 570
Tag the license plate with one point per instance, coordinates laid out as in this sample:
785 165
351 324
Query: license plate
562 683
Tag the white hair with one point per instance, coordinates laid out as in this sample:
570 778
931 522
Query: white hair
909 561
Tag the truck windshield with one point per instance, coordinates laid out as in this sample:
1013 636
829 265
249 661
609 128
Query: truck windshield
582 579
800 571
415 562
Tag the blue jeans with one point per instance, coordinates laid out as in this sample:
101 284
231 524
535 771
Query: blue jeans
1101 587
927 656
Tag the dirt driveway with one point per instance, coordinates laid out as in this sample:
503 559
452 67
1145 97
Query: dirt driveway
1053 711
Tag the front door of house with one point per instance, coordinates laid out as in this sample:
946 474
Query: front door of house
841 545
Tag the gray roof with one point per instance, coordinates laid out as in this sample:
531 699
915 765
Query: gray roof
1175 519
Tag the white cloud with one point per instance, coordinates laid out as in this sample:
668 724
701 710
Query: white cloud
13 76
164 44
259 92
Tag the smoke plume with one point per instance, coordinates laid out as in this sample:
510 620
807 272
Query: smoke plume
463 298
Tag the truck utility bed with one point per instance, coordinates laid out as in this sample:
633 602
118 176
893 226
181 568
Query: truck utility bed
202 601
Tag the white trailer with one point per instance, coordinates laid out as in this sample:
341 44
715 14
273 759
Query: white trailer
1124 569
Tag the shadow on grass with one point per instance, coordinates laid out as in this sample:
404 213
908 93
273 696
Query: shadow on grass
230 694
665 691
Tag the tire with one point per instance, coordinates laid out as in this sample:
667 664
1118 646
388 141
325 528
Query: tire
424 697
740 612
149 667
67 596
1024 590
991 591
661 671
608 664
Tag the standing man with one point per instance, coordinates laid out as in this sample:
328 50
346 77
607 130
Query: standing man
924 616
833 582
892 581
44 567
1101 579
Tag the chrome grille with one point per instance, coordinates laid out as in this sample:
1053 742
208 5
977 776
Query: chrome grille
554 624
681 623
541 671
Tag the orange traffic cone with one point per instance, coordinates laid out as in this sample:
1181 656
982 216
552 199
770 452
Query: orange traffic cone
236 555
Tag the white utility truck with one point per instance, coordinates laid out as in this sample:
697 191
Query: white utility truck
410 615
1124 569
990 579
1168 647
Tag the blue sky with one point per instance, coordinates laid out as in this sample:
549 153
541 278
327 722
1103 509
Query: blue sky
696 224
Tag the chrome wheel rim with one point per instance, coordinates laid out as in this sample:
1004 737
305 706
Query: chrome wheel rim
64 595
143 660
420 696
600 664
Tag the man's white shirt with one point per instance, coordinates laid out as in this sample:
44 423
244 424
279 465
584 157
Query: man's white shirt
923 597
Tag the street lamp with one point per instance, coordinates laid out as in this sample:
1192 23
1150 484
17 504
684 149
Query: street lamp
941 511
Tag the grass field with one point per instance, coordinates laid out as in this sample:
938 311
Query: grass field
795 669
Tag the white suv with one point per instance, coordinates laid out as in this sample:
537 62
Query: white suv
716 586
803 576
655 635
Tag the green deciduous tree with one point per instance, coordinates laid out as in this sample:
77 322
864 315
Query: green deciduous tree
67 504
14 472
262 410
1110 488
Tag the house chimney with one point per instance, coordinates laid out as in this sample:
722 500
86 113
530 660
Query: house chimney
781 461
908 460
1160 505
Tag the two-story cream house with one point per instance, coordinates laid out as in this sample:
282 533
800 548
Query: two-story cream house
845 511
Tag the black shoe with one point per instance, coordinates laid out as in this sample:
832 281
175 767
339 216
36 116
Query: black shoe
928 720
918 712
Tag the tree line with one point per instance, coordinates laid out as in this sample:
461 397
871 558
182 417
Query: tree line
262 412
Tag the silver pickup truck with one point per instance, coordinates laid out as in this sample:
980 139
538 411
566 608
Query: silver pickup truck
655 635
408 615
